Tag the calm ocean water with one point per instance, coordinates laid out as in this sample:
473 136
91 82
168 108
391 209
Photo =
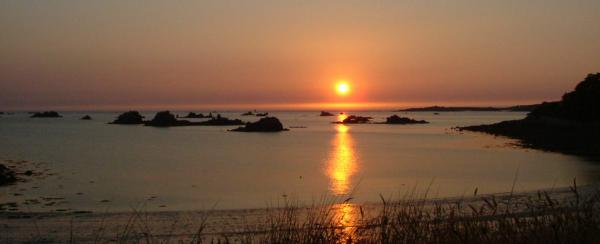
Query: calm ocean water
114 167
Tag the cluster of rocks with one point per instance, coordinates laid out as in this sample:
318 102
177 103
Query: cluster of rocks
395 119
192 115
167 119
250 113
87 117
325 113
353 119
47 114
267 124
221 121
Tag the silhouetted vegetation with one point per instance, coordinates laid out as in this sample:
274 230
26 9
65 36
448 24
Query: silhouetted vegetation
129 118
581 105
571 125
571 216
47 114
267 124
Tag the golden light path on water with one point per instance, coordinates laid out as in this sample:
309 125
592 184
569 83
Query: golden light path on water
341 167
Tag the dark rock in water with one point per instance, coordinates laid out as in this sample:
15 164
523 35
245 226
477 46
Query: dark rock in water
47 114
249 113
220 121
267 124
395 119
1 113
166 119
324 113
436 113
352 119
192 115
7 176
129 118
262 115
87 117
571 125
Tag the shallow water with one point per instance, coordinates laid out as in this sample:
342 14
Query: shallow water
104 167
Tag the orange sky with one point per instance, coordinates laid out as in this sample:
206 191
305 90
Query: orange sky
282 54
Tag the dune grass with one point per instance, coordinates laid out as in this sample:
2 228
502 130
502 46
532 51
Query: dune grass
542 217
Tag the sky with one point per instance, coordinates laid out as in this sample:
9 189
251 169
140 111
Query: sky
290 54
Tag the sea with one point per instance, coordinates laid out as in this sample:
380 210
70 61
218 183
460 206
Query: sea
91 165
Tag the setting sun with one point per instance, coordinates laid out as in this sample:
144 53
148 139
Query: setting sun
342 88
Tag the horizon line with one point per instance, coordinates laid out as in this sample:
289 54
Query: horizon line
269 106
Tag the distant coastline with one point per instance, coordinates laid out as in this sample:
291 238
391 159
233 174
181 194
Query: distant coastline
517 108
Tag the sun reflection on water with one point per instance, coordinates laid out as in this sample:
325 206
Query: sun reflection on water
342 163
341 167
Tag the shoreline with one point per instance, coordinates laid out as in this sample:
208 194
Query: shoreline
184 225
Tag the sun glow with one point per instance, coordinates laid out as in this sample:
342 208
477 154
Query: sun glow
342 88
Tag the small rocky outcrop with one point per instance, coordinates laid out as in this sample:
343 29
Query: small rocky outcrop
47 114
166 119
249 113
129 118
397 120
353 119
192 115
87 117
7 175
267 124
220 121
325 113
262 114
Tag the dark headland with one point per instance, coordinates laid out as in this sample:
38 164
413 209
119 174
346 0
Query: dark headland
518 108
571 125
